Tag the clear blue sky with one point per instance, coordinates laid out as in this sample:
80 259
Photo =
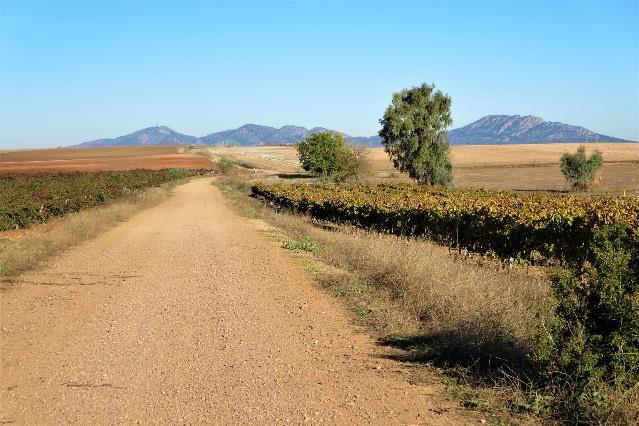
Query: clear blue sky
72 72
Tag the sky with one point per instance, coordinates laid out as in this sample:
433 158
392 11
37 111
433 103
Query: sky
77 71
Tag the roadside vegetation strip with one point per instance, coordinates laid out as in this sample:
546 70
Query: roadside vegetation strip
26 200
564 348
471 321
26 253
531 226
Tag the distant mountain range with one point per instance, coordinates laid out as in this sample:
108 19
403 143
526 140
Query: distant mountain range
247 135
252 134
489 130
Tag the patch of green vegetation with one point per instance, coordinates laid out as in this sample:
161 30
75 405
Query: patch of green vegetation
177 174
373 305
32 199
589 355
227 165
327 154
582 172
534 402
471 401
300 244
235 189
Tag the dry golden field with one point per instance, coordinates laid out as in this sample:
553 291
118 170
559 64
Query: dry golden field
534 166
93 159
519 167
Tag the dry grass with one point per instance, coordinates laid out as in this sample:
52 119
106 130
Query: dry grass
626 412
456 310
476 321
21 254
276 158
455 300
519 167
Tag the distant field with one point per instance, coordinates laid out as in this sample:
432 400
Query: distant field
529 167
94 159
522 167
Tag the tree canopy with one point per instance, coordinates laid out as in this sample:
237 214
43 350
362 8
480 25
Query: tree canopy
328 154
414 134
580 171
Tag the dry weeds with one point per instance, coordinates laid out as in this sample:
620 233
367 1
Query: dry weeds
22 254
461 311
513 167
476 320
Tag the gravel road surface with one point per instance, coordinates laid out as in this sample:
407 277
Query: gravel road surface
186 314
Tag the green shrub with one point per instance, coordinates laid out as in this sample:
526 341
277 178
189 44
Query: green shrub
300 244
353 164
580 171
226 165
177 174
322 153
326 154
591 352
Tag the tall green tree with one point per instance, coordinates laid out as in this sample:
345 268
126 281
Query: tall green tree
414 134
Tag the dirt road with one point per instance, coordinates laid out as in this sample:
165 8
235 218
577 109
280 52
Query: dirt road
187 314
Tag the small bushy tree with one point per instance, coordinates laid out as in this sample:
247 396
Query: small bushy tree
591 353
414 134
580 171
328 154
226 166
354 164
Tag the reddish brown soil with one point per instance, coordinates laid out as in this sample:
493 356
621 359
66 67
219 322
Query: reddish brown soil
94 159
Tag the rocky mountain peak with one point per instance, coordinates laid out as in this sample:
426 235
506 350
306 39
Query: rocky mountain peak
509 129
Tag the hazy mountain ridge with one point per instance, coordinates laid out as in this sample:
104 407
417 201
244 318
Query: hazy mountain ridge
253 134
246 135
489 130
511 129
151 136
